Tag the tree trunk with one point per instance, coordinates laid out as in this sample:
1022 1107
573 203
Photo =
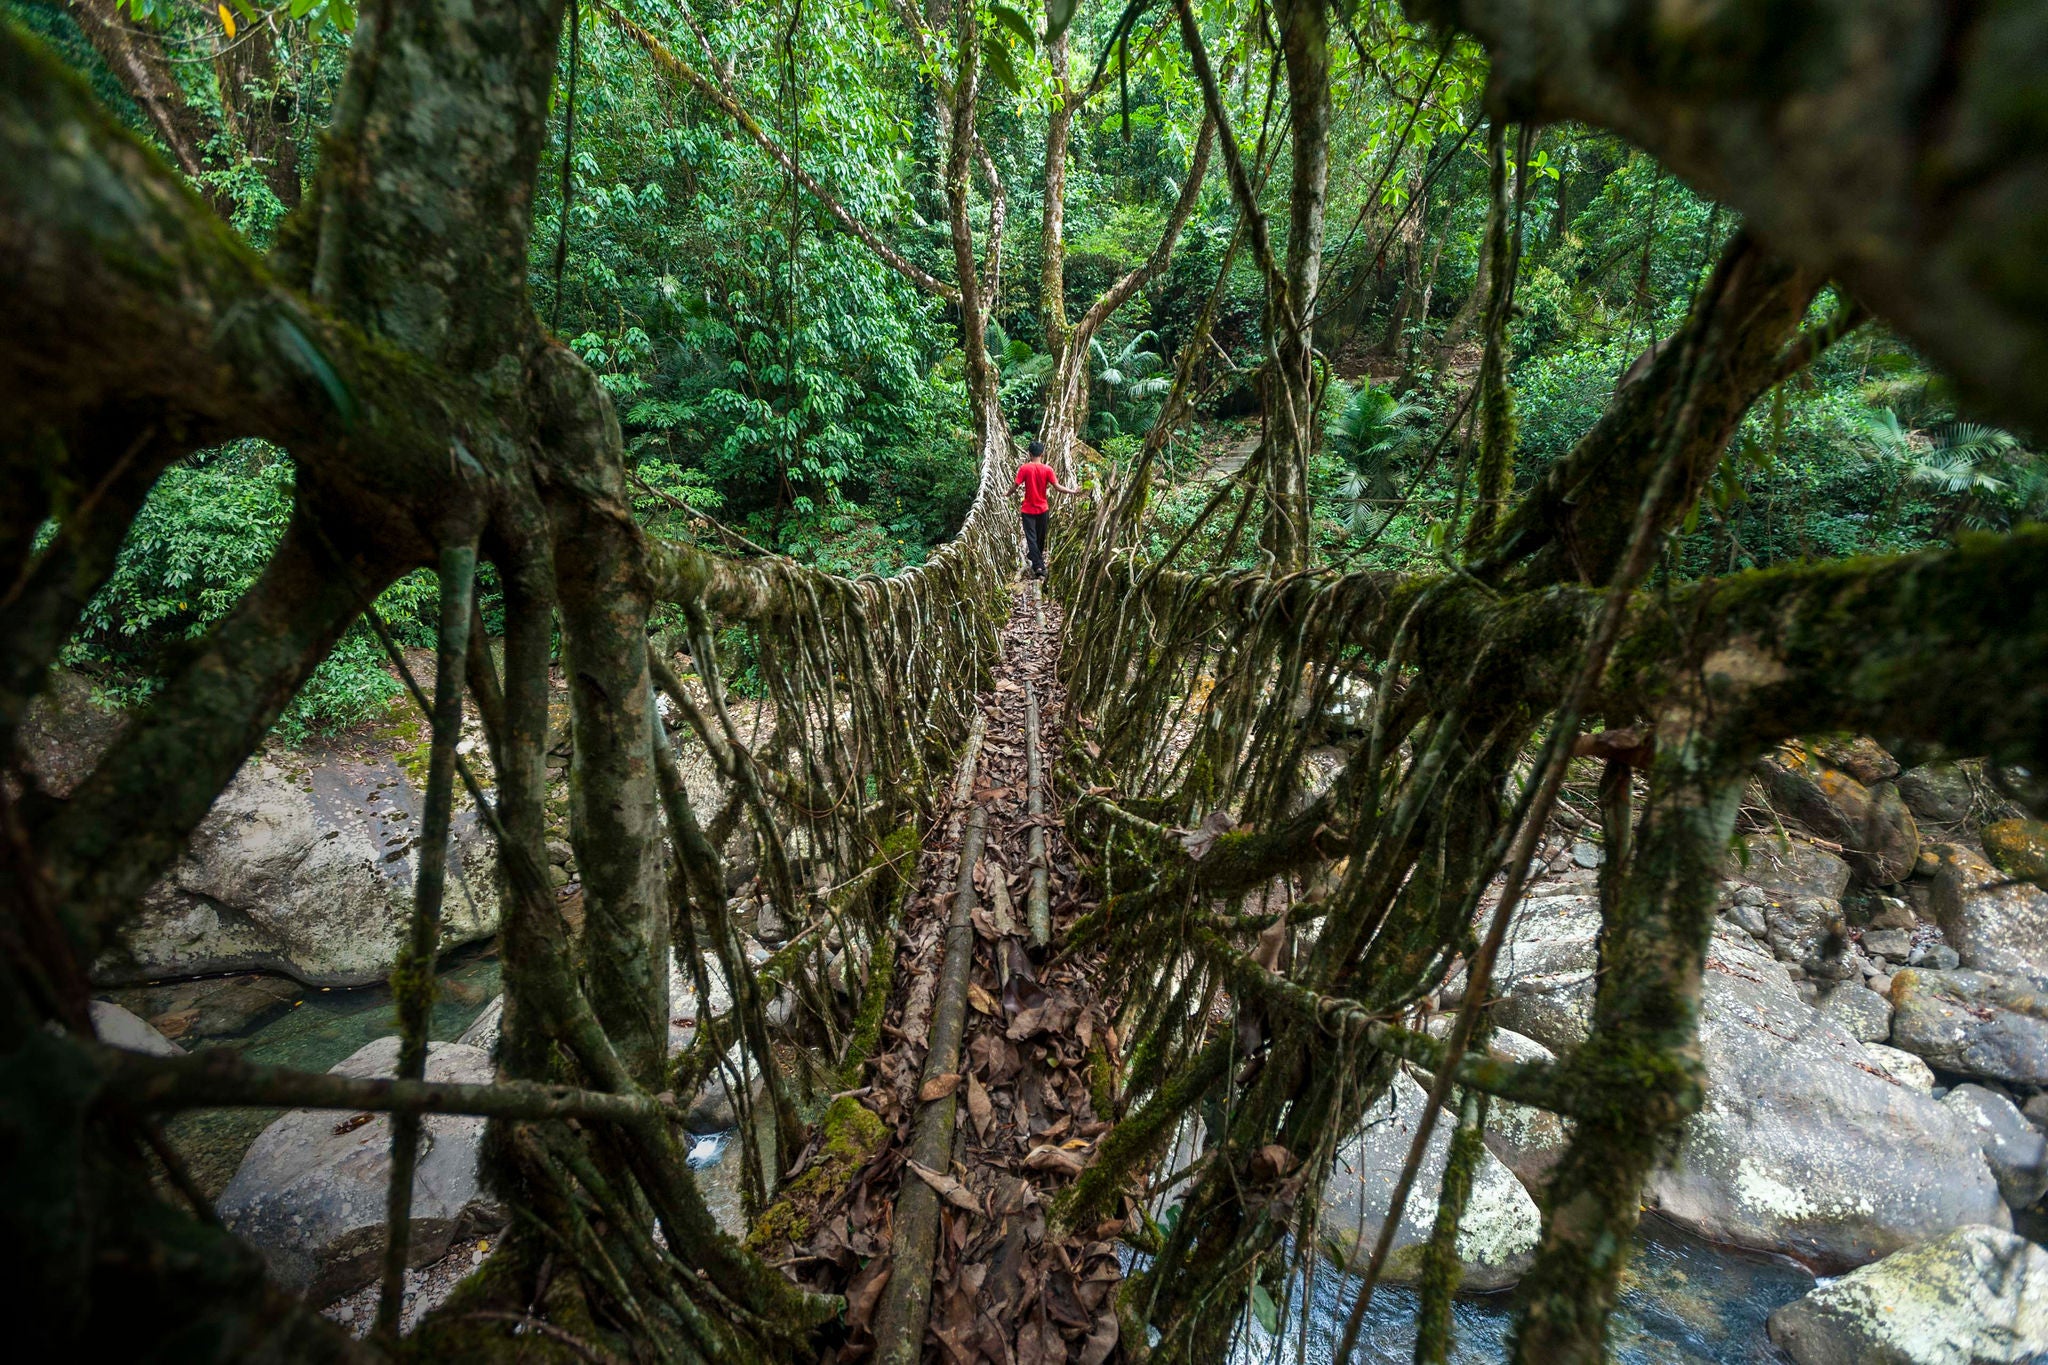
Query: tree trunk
1290 383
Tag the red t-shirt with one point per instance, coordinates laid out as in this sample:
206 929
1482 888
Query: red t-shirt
1034 476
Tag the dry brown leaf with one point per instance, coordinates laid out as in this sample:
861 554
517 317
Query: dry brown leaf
979 1107
947 1188
1055 1159
978 996
939 1086
1198 840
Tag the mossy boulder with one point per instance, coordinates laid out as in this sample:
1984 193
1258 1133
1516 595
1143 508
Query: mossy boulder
1879 837
2019 848
1978 1296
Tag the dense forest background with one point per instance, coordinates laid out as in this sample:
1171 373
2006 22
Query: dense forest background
777 380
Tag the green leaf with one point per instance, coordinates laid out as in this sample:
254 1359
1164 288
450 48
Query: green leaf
996 56
1265 1310
1058 15
313 361
1016 23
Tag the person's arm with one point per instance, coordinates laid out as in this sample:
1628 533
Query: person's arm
1070 492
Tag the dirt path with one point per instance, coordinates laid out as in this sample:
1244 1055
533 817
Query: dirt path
1024 1093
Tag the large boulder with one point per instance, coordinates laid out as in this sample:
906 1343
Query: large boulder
1979 1296
1544 974
1529 1142
1995 923
308 872
1878 834
1497 1236
2019 848
117 1027
2014 1148
1973 1023
310 1192
1792 866
1940 794
1805 1143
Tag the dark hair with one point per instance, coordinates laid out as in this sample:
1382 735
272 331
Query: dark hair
1037 449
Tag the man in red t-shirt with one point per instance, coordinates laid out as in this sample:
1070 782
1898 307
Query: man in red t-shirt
1034 476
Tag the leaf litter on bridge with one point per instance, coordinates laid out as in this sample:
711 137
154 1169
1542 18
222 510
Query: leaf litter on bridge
1037 1072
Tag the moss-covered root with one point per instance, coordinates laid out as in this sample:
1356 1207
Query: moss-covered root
850 1134
1134 1141
1441 1268
1638 1072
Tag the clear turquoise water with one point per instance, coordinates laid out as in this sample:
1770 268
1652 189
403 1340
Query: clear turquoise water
1687 1302
322 1027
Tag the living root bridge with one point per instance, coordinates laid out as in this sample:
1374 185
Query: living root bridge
1945 646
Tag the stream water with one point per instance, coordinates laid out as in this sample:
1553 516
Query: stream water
1684 1302
309 1029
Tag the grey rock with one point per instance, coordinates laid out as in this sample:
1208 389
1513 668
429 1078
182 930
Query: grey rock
483 1030
1748 918
1792 865
310 1193
1994 923
1860 756
1799 928
116 1027
1498 1235
1588 854
1881 983
1894 913
1939 793
1891 944
1544 974
1901 1066
1935 957
1861 1013
1979 1296
1975 1023
1529 1142
715 1107
1837 968
308 873
2014 1148
1805 1144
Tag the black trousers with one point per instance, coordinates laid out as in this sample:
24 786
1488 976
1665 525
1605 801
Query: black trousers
1034 540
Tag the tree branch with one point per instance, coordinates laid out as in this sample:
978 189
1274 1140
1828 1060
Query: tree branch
219 1078
1894 148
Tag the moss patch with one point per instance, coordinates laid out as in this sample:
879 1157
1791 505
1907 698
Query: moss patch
851 1134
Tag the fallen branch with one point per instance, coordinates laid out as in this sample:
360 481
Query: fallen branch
907 1299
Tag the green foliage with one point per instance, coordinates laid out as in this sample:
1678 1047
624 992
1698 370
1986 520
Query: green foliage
200 542
1131 384
1369 430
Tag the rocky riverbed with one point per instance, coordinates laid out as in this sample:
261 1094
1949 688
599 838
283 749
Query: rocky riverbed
1873 1030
